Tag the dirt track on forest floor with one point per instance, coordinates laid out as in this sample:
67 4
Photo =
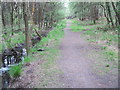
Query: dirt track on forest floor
77 65
77 60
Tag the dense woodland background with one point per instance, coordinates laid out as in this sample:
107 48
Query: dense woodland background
29 23
28 19
32 17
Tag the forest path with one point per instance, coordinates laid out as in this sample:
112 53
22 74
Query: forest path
76 64
74 67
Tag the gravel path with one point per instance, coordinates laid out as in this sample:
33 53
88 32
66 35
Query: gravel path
77 66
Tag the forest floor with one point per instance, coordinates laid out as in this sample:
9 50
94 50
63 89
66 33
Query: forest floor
79 64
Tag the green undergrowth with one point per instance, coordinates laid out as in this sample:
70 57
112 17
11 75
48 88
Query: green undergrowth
9 39
28 59
8 28
53 35
103 35
109 55
13 40
106 62
97 32
15 71
50 45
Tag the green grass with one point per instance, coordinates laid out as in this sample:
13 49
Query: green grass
15 71
94 34
77 28
53 35
100 33
28 59
110 59
51 53
103 47
53 39
50 58
82 26
11 41
19 38
90 32
110 55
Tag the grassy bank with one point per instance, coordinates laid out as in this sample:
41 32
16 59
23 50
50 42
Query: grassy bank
104 36
50 45
97 33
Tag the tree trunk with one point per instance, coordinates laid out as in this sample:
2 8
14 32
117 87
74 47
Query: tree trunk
3 20
109 13
19 16
94 13
39 15
12 17
116 12
105 14
27 41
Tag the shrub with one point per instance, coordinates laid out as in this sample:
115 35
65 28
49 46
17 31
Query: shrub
15 71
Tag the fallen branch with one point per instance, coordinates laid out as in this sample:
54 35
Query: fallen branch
37 33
